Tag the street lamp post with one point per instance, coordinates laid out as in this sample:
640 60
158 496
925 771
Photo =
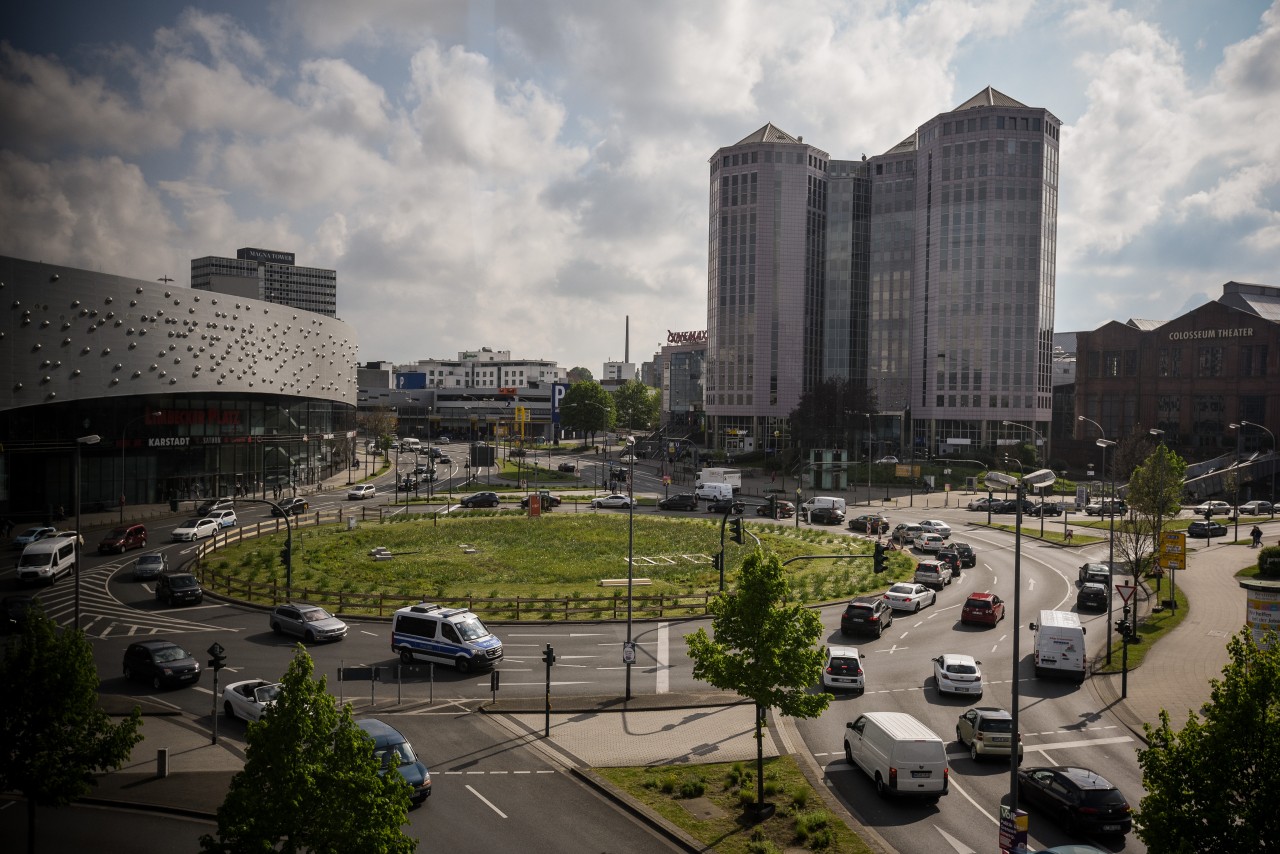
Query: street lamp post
1235 476
1036 480
1109 507
1244 423
631 542
83 440
1033 433
868 414
124 431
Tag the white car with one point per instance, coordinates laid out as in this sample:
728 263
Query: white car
195 529
906 596
843 669
363 490
936 526
927 542
248 700
615 500
958 674
887 460
224 518
1219 508
627 458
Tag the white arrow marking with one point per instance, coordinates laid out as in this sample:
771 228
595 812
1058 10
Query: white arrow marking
960 847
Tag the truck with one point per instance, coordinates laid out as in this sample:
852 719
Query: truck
733 477
1059 645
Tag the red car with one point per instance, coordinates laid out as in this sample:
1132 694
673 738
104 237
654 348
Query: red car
984 609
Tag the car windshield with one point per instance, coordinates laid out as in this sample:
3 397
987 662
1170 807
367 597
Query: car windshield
150 560
118 533
170 653
31 532
182 582
190 523
396 755
470 628
316 615
266 694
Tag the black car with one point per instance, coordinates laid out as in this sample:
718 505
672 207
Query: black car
1092 596
179 588
290 506
160 662
680 501
1096 573
1206 529
1047 508
12 610
481 499
570 467
545 500
825 516
726 505
866 615
967 555
1082 800
949 557
871 523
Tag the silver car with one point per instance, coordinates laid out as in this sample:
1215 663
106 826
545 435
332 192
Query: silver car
153 565
309 622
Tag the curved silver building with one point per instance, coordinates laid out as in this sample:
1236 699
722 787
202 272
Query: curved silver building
189 393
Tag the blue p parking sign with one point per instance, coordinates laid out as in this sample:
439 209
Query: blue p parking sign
558 391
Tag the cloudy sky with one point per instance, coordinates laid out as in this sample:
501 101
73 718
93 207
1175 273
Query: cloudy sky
526 174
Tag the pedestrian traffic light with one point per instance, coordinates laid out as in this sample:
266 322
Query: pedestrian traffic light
877 560
735 530
549 655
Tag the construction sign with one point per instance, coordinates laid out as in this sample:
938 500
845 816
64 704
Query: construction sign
1173 550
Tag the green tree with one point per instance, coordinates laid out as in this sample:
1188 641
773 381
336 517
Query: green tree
53 735
587 407
378 424
764 648
579 375
1210 785
310 781
638 406
1155 496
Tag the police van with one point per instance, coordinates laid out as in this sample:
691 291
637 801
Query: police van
451 635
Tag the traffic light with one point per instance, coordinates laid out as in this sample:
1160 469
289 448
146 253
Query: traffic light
1123 629
877 560
549 656
219 658
735 530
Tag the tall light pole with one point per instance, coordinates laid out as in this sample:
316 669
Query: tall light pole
123 433
999 480
631 542
868 414
83 440
1235 510
1244 423
1110 507
1035 445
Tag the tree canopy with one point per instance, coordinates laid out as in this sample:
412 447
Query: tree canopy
1210 785
1154 494
764 646
587 407
310 780
54 737
638 405
579 375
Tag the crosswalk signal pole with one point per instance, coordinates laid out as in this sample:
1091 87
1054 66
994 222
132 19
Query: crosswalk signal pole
549 658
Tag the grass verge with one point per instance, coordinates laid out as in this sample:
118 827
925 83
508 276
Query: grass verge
1153 628
720 794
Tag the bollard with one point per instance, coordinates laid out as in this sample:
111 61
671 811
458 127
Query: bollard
162 762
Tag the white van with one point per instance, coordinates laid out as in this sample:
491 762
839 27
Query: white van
414 445
822 501
451 635
47 560
1059 645
901 755
714 491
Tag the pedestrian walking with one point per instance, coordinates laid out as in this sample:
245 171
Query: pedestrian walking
1256 535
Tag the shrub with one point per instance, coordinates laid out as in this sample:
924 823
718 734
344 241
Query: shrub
694 787
799 797
667 783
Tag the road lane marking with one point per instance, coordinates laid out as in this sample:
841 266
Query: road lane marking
486 801
663 657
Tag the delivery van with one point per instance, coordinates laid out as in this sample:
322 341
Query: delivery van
822 501
901 755
1059 645
714 491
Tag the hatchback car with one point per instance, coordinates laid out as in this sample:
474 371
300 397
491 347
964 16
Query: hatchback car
936 526
179 588
843 669
1092 596
569 467
123 538
1217 508
225 518
1255 508
987 731
779 510
967 555
615 500
931 573
958 674
393 750
195 529
866 615
1206 529
162 663
887 460
904 533
309 622
1097 573
949 558
291 507
980 504
726 505
983 609
1080 799
680 501
825 516
1046 508
481 499
1108 507
869 523
215 504
153 565
31 535
361 491
927 542
908 596
545 500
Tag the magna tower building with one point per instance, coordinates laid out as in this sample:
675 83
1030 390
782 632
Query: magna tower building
926 272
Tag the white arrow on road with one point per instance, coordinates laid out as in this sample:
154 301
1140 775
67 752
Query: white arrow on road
960 847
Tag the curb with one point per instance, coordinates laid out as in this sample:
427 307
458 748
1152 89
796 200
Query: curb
637 810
